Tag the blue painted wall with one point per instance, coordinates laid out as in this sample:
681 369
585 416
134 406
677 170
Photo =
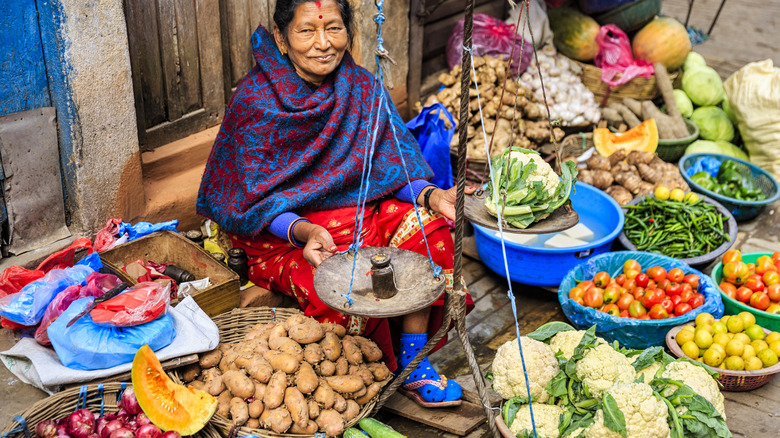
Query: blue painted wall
23 80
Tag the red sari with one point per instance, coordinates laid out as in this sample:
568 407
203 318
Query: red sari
277 265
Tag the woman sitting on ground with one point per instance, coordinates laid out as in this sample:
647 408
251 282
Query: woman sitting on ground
284 175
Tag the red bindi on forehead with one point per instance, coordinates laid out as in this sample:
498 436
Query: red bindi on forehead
319 5
320 17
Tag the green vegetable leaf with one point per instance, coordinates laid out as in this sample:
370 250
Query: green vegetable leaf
714 426
557 386
577 421
613 416
489 376
511 407
549 330
587 341
647 357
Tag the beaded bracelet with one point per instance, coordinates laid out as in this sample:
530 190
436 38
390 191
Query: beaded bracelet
290 236
427 200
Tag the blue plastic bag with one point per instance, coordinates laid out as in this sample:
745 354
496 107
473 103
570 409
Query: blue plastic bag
434 139
141 229
704 164
27 306
88 346
632 333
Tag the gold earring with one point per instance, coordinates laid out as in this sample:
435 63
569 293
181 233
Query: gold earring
283 51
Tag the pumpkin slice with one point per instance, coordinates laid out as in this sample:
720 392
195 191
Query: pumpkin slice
642 138
168 405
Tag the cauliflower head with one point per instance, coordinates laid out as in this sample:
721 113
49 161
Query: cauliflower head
601 367
540 363
645 415
568 341
546 418
648 372
699 380
543 172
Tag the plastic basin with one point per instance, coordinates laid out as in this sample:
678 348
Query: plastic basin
766 320
541 266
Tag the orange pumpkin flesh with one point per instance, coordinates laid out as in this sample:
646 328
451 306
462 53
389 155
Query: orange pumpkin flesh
643 138
168 405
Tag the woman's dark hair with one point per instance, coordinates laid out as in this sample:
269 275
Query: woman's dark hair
285 11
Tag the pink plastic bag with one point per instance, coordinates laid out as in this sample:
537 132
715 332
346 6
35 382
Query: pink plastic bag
615 58
144 302
107 237
97 285
491 37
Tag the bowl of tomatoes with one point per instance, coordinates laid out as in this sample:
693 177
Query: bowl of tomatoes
751 282
636 297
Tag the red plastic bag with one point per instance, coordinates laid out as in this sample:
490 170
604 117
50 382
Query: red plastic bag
144 302
107 237
97 285
491 37
64 258
615 58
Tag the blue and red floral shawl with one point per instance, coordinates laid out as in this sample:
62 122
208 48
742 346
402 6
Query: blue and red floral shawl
283 147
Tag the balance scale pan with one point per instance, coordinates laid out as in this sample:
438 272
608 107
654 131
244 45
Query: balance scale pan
417 287
559 220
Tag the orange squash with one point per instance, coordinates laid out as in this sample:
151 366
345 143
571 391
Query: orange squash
168 405
643 138
663 40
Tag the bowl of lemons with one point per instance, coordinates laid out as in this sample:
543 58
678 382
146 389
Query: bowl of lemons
741 351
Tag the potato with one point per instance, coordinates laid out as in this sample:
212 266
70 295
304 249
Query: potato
312 353
342 366
228 359
324 395
282 362
260 369
351 350
306 379
331 346
198 384
190 372
278 342
274 392
256 408
296 404
326 368
289 346
314 408
357 394
353 409
338 329
278 420
239 384
379 370
330 422
239 412
364 373
310 429
252 423
371 352
294 320
339 404
277 332
259 390
223 403
210 359
306 333
372 390
213 382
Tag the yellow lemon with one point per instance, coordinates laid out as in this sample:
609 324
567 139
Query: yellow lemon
702 338
748 318
691 197
721 339
772 337
735 325
734 363
735 347
719 327
704 318
748 352
691 349
755 331
767 356
684 336
775 346
677 195
706 327
753 363
759 345
713 357
661 192
719 348
742 337
724 319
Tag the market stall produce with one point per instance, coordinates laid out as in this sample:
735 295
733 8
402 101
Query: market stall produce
749 283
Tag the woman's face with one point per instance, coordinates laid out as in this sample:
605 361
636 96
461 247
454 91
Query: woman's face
316 39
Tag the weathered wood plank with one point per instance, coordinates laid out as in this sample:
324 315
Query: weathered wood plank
437 33
452 7
189 56
258 14
750 421
473 271
414 77
238 42
210 53
459 420
147 70
169 55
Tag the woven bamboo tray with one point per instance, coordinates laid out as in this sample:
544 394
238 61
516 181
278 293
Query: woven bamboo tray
233 326
64 403
638 88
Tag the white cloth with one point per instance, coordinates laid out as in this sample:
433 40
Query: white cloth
39 366
540 25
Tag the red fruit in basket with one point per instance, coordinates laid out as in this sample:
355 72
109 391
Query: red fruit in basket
697 300
594 297
776 257
735 272
765 264
774 309
657 273
770 277
687 286
601 279
652 284
579 301
663 283
751 268
620 279
636 309
674 289
631 274
760 300
743 294
612 309
576 292
692 280
642 279
676 275
624 314
637 293
645 316
585 285
729 289
667 304
658 312
686 295
732 255
682 308
652 297
675 299
611 294
773 290
754 283
629 284
625 300
631 265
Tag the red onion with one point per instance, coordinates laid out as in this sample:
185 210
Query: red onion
142 420
122 413
93 435
101 423
81 423
148 431
110 427
171 434
46 429
122 433
129 402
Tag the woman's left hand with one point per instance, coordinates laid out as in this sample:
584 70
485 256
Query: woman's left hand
443 201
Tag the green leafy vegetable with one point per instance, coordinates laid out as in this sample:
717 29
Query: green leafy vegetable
510 408
613 416
549 330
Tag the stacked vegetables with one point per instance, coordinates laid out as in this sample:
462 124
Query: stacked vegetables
296 376
581 386
731 181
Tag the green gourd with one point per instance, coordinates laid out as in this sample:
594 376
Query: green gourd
377 429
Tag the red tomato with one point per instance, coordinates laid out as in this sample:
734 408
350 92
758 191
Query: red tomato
651 283
754 283
585 285
657 273
773 290
697 300
631 265
631 274
676 275
576 292
732 255
674 289
692 279
770 277
682 308
735 272
652 297
612 309
776 257
629 284
658 312
729 289
686 296
675 299
636 309
611 294
624 314
759 300
743 294
594 297
579 301
764 264
668 305
637 293
642 279
645 316
686 286
751 268
620 279
624 301
601 279
663 283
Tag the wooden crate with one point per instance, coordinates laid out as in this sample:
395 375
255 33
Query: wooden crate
170 247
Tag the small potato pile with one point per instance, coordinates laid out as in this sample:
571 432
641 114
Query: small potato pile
296 376
523 124
624 176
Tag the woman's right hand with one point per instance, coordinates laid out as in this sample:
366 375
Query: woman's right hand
319 242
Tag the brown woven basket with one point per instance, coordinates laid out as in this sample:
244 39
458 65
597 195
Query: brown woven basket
233 326
731 380
574 145
638 88
64 403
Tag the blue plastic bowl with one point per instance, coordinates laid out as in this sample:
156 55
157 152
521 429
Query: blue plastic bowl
741 210
541 266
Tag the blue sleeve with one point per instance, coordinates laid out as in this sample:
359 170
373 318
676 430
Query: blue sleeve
417 187
279 226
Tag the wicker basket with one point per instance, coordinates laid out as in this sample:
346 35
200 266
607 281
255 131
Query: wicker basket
574 145
638 88
731 380
233 326
98 397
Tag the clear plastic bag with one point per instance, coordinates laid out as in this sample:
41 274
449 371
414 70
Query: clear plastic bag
142 303
491 37
615 58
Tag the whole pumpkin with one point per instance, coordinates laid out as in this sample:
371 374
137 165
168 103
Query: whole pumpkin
663 40
574 33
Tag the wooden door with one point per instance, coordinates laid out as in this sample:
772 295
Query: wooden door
176 59
240 18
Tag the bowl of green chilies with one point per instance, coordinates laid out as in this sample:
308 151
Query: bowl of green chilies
696 233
